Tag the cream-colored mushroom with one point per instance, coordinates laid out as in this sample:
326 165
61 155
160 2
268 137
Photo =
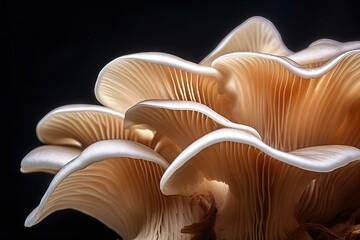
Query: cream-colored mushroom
255 142
294 107
266 186
130 79
116 181
257 34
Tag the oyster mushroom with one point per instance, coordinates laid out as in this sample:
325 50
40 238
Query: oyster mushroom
255 142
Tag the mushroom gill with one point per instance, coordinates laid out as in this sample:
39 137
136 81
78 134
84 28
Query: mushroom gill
115 179
266 186
293 107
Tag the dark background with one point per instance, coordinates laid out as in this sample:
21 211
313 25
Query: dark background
53 51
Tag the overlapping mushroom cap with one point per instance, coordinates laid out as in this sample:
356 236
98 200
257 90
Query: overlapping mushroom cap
255 142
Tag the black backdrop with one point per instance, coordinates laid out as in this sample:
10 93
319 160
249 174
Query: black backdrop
53 51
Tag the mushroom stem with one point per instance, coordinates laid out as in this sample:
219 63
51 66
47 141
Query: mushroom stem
345 226
204 229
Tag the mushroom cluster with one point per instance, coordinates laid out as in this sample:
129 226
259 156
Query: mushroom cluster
253 142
